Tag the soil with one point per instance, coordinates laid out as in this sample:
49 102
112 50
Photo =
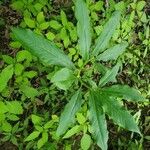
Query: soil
10 18
8 146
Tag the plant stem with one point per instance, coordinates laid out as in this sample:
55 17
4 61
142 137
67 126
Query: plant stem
84 84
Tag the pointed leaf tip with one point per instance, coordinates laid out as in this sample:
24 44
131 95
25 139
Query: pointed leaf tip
68 115
106 34
44 49
83 28
98 121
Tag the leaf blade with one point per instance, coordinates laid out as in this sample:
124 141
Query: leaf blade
3 108
124 91
107 33
68 115
47 51
83 28
85 142
99 125
43 140
113 53
32 136
5 76
72 131
14 107
110 75
63 78
119 115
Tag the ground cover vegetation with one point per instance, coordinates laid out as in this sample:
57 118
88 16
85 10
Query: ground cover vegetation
74 74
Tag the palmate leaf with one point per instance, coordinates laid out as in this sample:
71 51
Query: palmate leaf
113 53
108 31
110 75
117 113
68 115
98 121
124 91
83 28
47 51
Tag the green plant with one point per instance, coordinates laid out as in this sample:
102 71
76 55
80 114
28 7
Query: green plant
33 6
89 80
9 111
41 129
16 67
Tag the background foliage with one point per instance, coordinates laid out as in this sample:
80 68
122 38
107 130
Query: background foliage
31 104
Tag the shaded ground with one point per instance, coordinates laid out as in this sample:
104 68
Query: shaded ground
9 18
